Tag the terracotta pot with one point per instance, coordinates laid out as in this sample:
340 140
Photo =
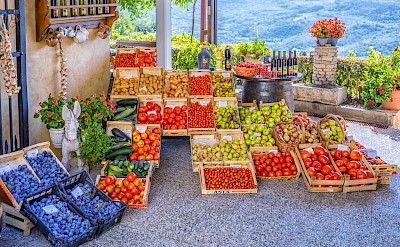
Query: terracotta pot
394 102
56 136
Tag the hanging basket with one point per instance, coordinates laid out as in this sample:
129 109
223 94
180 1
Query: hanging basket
325 140
280 142
56 136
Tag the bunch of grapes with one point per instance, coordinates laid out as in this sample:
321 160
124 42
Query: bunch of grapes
93 206
47 169
64 224
20 182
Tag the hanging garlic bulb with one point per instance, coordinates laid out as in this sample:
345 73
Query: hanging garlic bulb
64 73
7 62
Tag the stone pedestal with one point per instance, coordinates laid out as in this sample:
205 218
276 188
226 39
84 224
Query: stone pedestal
331 95
325 64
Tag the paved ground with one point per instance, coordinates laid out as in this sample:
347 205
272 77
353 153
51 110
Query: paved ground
283 213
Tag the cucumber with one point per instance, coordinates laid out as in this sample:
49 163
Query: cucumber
120 145
118 139
122 151
120 109
128 102
121 157
119 133
132 117
124 119
125 113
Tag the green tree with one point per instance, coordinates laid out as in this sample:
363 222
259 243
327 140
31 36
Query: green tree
142 7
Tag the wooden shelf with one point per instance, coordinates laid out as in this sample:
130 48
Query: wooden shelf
44 21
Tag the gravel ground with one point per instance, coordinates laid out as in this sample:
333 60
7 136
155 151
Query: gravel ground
283 213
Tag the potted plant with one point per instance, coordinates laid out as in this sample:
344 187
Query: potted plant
252 51
319 30
336 30
50 113
381 85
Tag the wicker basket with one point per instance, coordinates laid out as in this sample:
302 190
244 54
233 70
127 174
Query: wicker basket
326 141
282 145
301 119
343 123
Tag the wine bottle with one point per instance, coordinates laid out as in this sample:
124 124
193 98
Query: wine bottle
290 64
92 10
64 12
295 66
279 65
228 64
284 64
82 11
273 65
74 11
55 13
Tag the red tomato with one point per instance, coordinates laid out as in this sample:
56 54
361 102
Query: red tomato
150 105
177 110
131 177
174 127
325 169
323 159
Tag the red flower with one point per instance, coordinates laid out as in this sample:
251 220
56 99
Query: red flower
49 115
103 98
244 53
40 103
380 90
53 101
395 77
369 102
87 102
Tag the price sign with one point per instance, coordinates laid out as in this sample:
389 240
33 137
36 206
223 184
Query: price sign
350 138
5 169
342 147
228 138
151 71
329 189
128 74
221 192
274 151
77 192
226 75
251 109
32 153
197 74
222 103
204 102
371 153
325 131
236 166
141 129
257 134
151 112
143 89
310 150
128 132
50 209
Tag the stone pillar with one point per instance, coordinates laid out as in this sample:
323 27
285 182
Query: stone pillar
325 64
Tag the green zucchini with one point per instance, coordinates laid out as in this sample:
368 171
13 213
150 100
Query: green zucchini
121 157
128 102
118 139
125 119
122 151
119 133
125 113
120 145
132 117
120 109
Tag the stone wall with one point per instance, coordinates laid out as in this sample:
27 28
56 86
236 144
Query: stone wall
88 71
325 64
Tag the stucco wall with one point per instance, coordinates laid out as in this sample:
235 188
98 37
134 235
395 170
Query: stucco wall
88 70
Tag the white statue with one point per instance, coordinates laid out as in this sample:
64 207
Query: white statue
70 142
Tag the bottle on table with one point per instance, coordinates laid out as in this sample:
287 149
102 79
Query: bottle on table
284 64
279 65
64 12
92 10
204 58
290 64
273 65
55 13
74 11
228 63
295 66
219 59
82 11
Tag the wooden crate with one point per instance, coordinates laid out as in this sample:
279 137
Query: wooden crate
232 135
233 164
264 151
154 72
246 127
202 101
312 183
126 127
14 218
385 170
143 99
197 73
44 146
384 180
224 74
10 162
172 103
142 128
147 181
184 82
357 185
127 73
117 98
203 139
224 102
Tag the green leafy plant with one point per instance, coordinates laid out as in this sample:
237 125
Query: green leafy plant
50 112
95 145
142 7
381 77
254 49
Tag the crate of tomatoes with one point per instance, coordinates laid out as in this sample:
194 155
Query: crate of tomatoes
201 115
175 117
358 173
125 58
319 172
234 177
146 143
150 110
270 164
200 84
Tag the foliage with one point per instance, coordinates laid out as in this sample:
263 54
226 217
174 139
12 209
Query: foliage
254 49
142 7
95 145
50 112
328 28
381 77
95 110
305 64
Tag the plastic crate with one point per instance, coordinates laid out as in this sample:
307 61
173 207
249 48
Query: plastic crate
27 211
85 178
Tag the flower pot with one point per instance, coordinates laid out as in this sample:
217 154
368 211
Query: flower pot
56 136
333 41
394 102
322 41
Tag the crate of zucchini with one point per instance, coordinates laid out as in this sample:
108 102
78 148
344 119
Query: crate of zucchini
127 108
123 167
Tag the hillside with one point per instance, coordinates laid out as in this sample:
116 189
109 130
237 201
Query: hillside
285 23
